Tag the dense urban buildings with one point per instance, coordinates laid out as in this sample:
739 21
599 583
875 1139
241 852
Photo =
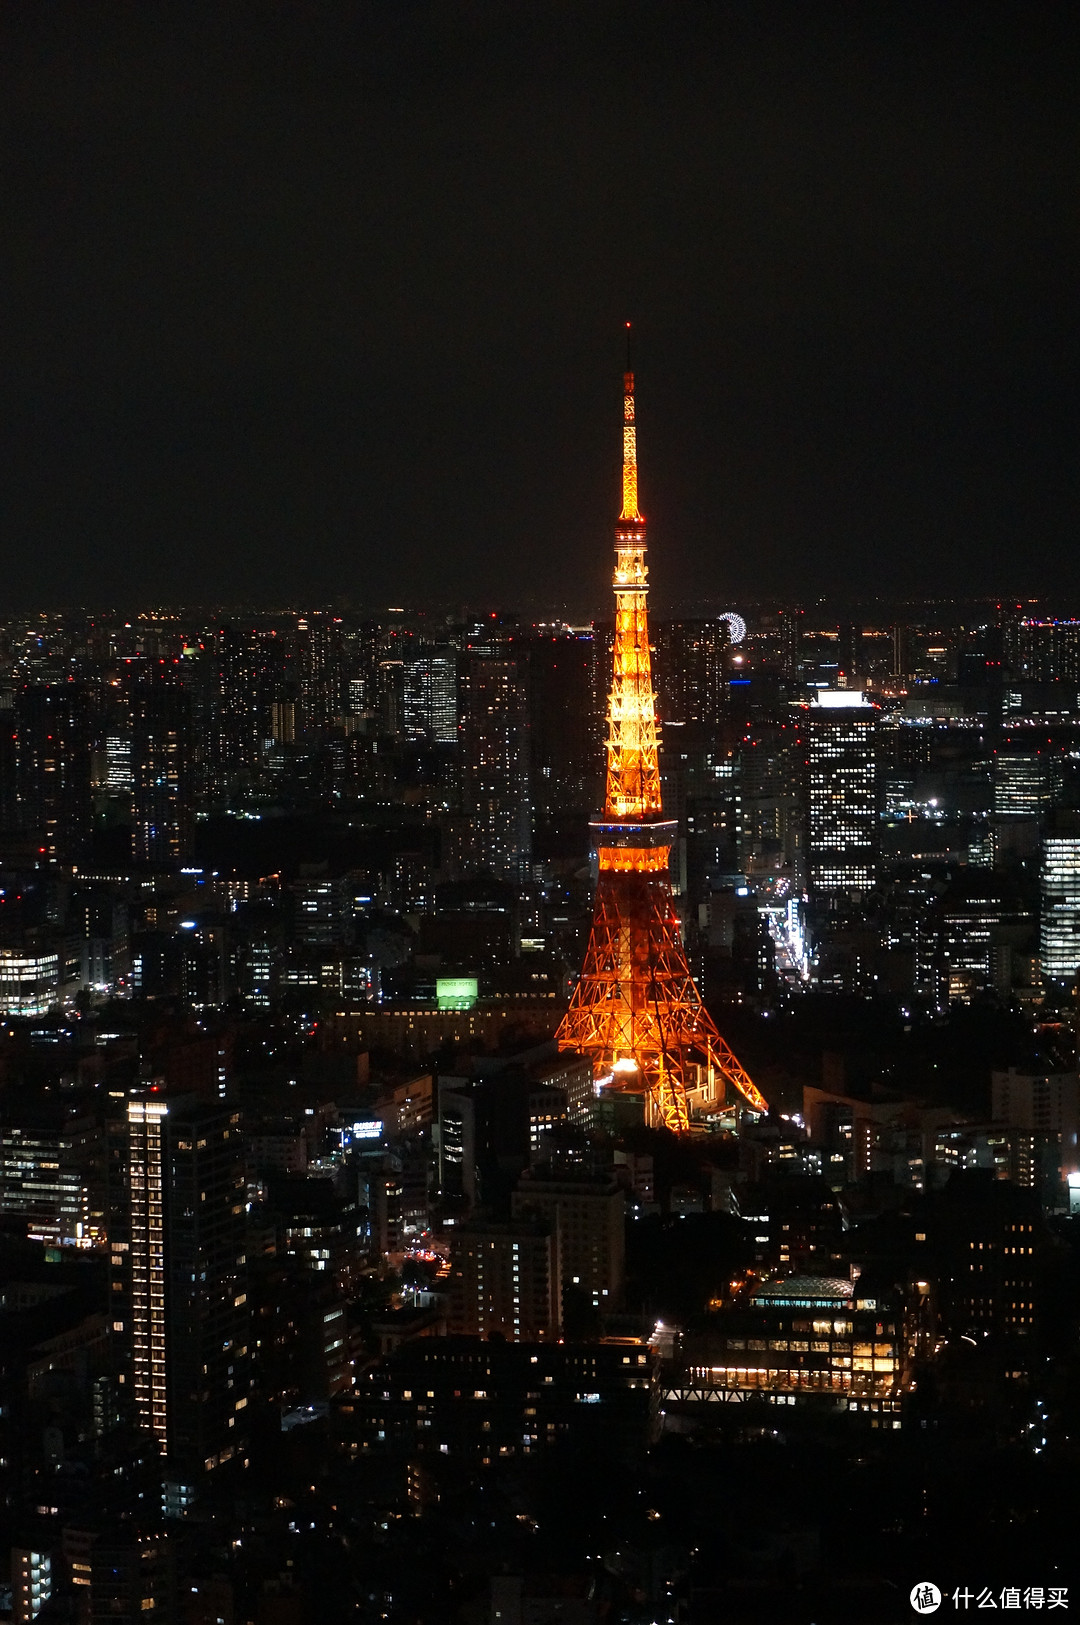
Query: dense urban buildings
308 1220
367 1160
532 1095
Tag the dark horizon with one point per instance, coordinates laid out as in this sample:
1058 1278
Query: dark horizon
823 611
307 302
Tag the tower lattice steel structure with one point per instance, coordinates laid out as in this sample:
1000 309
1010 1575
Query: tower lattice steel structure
636 1010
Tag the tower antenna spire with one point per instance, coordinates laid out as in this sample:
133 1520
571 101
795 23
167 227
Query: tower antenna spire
636 1011
629 468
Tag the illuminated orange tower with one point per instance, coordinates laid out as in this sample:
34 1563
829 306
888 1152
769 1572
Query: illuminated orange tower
636 1011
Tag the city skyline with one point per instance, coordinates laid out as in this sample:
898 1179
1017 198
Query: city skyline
491 1060
322 1217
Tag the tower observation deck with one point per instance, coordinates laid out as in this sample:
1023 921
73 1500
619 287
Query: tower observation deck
636 1011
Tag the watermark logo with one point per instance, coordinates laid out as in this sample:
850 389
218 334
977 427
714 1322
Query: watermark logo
927 1598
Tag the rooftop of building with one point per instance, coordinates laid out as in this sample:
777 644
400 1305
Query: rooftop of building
806 1289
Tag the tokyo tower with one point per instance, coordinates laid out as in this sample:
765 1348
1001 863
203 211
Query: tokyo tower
636 1011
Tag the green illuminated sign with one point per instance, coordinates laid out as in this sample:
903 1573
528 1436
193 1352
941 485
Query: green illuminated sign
456 992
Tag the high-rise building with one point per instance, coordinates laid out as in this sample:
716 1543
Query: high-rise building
770 761
53 739
1048 651
980 920
457 1142
321 915
39 975
283 722
992 1238
495 767
366 646
1059 925
849 653
390 693
691 676
46 1179
118 776
790 627
842 799
564 734
322 675
1021 782
237 716
587 1216
503 1118
636 1011
431 697
181 1319
504 1278
162 759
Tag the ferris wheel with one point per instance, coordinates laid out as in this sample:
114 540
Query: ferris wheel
736 625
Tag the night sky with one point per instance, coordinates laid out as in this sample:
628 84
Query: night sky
306 300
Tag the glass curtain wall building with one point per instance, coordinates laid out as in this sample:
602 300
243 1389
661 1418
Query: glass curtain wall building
842 793
1059 935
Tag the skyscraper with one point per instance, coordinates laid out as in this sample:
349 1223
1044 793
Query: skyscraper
237 714
1021 781
162 765
842 801
790 626
691 677
564 735
495 765
431 697
1048 650
1059 924
180 1295
118 775
322 673
52 766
